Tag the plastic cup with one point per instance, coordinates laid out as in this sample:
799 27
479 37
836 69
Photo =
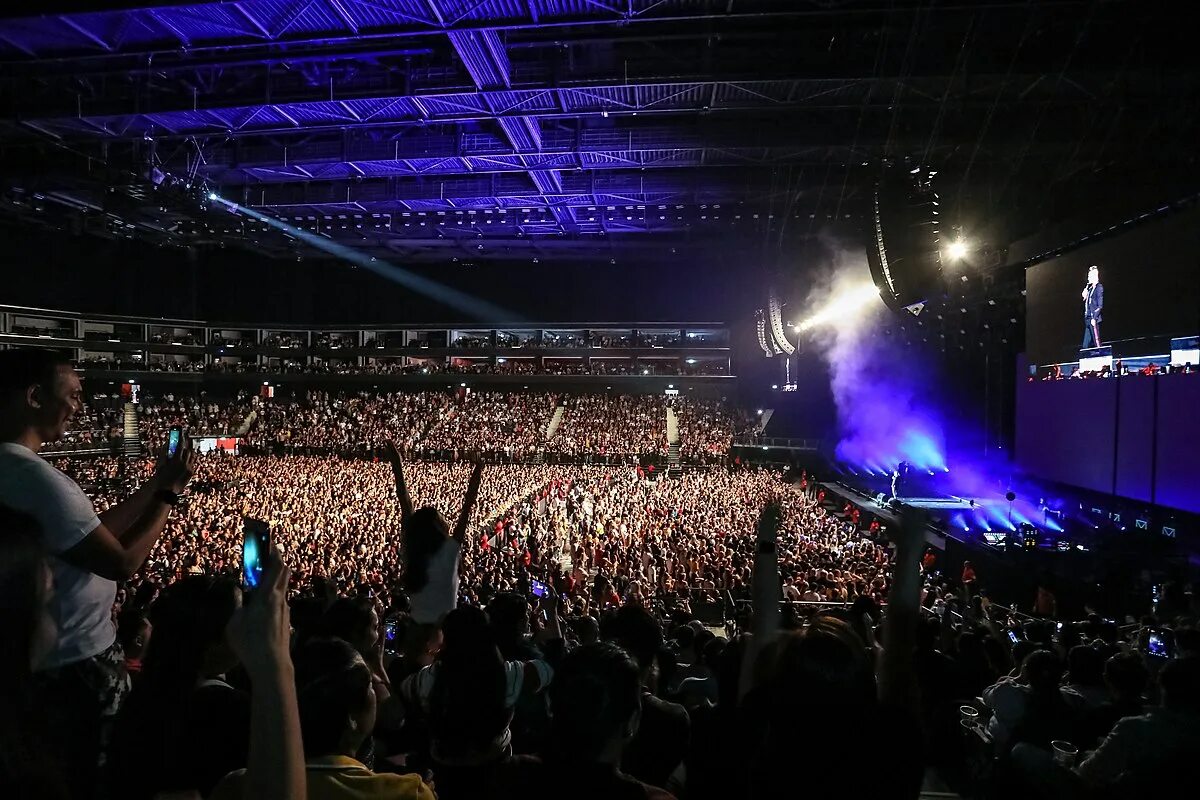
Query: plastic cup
969 715
1064 753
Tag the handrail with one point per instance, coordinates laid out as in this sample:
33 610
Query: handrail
776 441
813 603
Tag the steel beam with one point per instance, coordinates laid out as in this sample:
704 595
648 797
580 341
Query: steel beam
320 110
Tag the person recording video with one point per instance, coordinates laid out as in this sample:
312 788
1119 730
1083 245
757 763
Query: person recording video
1093 305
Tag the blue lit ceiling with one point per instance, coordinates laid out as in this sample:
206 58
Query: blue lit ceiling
575 126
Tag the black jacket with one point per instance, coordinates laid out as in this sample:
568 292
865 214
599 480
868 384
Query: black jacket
1094 303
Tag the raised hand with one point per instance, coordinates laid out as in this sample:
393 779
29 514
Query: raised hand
260 631
464 516
392 453
173 473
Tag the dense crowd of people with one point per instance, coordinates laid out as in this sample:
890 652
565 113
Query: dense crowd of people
707 428
95 427
493 422
171 337
410 366
606 425
513 426
448 423
453 629
642 538
199 416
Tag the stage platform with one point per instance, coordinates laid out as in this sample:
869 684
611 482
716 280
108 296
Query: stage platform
938 503
1132 355
866 503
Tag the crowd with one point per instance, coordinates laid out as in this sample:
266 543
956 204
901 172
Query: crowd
707 428
639 538
97 426
469 631
346 424
493 422
593 339
1038 707
501 366
334 341
284 341
171 337
612 425
446 424
200 417
244 340
43 329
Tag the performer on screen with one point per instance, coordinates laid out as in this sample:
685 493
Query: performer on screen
1093 304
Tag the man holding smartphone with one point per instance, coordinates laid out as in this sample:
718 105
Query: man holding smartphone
81 679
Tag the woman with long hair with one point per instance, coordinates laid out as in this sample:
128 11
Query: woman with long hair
467 697
430 549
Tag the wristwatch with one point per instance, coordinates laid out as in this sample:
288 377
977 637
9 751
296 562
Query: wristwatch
167 496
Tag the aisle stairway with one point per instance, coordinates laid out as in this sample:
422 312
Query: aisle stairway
131 444
247 423
555 420
673 441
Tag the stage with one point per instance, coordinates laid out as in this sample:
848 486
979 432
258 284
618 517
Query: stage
869 505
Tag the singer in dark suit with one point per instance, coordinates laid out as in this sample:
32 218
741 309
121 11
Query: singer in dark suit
1093 305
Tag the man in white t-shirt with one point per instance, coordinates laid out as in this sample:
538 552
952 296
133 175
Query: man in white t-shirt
82 676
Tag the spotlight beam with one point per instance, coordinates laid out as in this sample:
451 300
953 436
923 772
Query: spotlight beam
842 305
461 301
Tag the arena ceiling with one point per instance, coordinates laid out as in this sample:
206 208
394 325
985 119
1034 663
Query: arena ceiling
427 129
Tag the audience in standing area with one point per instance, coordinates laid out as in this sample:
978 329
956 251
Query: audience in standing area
459 629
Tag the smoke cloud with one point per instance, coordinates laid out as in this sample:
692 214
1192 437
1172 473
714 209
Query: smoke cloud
880 388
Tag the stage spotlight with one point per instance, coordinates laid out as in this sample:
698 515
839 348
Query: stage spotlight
1010 496
957 250
212 195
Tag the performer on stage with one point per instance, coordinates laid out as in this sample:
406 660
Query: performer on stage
1093 304
899 476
